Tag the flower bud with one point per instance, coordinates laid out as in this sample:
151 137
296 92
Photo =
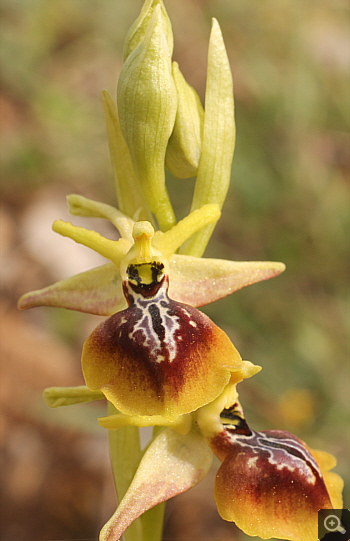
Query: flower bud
138 29
147 103
184 148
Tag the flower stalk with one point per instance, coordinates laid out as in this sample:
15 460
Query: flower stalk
156 359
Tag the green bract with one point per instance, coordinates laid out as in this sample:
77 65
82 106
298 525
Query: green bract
218 138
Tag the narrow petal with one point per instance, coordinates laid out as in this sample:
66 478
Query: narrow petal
82 206
197 281
97 291
269 483
170 241
208 417
114 250
171 465
67 396
182 424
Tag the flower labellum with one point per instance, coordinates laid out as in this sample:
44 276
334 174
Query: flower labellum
271 474
159 356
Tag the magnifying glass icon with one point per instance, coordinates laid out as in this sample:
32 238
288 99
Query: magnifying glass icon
333 524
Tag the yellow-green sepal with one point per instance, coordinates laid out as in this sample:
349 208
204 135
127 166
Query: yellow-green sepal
97 291
200 281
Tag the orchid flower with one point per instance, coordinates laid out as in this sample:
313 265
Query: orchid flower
270 483
157 359
158 356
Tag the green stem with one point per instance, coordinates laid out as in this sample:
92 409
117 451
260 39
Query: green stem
152 523
125 454
152 520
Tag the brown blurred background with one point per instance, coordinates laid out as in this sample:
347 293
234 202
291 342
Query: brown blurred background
288 201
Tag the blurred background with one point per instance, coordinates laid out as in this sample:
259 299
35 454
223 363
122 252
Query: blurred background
288 201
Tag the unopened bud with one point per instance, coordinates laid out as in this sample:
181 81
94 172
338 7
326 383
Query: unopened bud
138 29
147 103
184 148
